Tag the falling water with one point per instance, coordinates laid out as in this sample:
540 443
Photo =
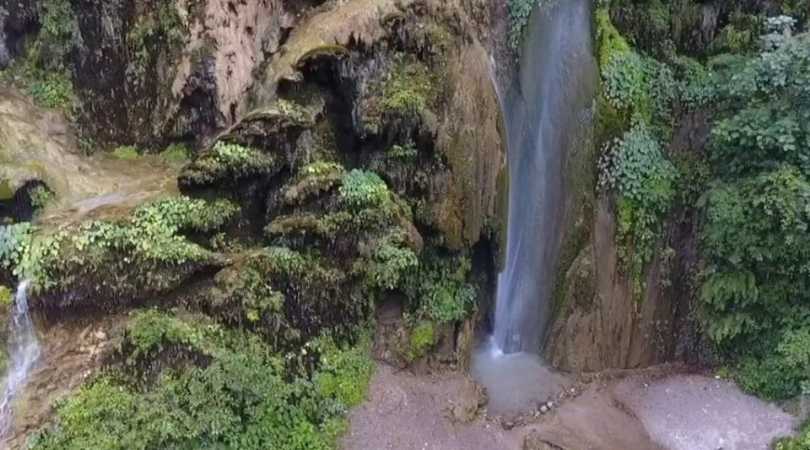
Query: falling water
23 350
544 115
547 115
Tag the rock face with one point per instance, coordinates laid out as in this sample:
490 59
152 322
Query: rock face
16 19
601 325
176 70
39 147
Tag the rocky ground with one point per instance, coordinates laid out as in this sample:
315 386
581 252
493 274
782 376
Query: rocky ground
71 352
650 410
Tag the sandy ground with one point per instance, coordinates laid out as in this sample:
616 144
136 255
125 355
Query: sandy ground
638 412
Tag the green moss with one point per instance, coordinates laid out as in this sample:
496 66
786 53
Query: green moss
126 153
175 154
422 338
6 191
609 41
409 89
6 297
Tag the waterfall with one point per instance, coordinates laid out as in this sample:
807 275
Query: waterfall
23 351
544 115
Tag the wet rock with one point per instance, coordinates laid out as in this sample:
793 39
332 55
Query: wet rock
471 399
535 442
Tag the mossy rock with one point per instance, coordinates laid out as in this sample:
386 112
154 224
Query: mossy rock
286 296
228 162
421 339
106 263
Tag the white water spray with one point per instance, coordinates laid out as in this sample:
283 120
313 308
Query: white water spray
23 351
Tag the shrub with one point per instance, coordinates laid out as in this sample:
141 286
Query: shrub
439 289
227 162
389 263
637 170
363 189
240 399
147 251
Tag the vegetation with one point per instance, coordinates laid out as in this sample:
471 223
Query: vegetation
752 183
409 89
637 170
126 152
800 442
127 256
439 289
519 13
227 162
42 72
234 394
758 211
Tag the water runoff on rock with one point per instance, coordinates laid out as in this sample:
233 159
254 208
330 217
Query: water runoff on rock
546 111
23 351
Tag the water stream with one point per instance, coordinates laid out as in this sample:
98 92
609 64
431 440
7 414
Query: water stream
545 110
23 351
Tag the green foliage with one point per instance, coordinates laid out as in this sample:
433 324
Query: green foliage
135 253
54 90
364 189
407 152
227 162
126 153
42 71
40 196
57 35
313 179
641 86
754 289
772 120
240 398
800 442
345 372
391 260
15 243
439 289
519 13
637 170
